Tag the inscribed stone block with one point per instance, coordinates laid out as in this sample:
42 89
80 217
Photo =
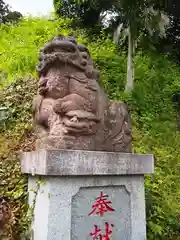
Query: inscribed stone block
101 208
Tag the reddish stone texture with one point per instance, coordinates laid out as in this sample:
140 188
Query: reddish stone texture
70 109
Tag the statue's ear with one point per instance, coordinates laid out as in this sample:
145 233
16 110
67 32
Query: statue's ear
72 39
97 75
83 48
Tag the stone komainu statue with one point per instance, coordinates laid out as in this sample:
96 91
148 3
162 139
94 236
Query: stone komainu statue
70 109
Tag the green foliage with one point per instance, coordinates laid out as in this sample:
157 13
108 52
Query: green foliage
6 15
86 13
20 51
3 10
155 131
15 136
153 116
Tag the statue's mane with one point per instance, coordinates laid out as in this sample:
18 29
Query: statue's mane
62 51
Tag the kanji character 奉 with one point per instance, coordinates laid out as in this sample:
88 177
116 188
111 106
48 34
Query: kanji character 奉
102 205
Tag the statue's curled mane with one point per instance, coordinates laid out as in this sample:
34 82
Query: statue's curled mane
65 50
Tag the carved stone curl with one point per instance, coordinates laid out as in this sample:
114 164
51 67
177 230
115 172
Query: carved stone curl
70 109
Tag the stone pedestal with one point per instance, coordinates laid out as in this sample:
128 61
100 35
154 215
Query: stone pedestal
88 195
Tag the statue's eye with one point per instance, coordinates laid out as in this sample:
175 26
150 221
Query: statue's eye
84 62
85 55
73 41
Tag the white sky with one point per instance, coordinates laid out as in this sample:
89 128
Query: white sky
33 7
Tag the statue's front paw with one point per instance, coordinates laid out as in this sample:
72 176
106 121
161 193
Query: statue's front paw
67 106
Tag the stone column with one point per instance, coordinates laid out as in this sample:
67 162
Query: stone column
88 195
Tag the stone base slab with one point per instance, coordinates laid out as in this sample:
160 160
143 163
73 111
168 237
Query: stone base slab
78 162
75 181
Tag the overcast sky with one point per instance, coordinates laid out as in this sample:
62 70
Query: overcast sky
33 7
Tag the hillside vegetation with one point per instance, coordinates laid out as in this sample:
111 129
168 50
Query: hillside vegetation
154 119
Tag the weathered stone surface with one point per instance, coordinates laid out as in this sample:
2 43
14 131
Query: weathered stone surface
70 109
63 203
118 220
78 162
